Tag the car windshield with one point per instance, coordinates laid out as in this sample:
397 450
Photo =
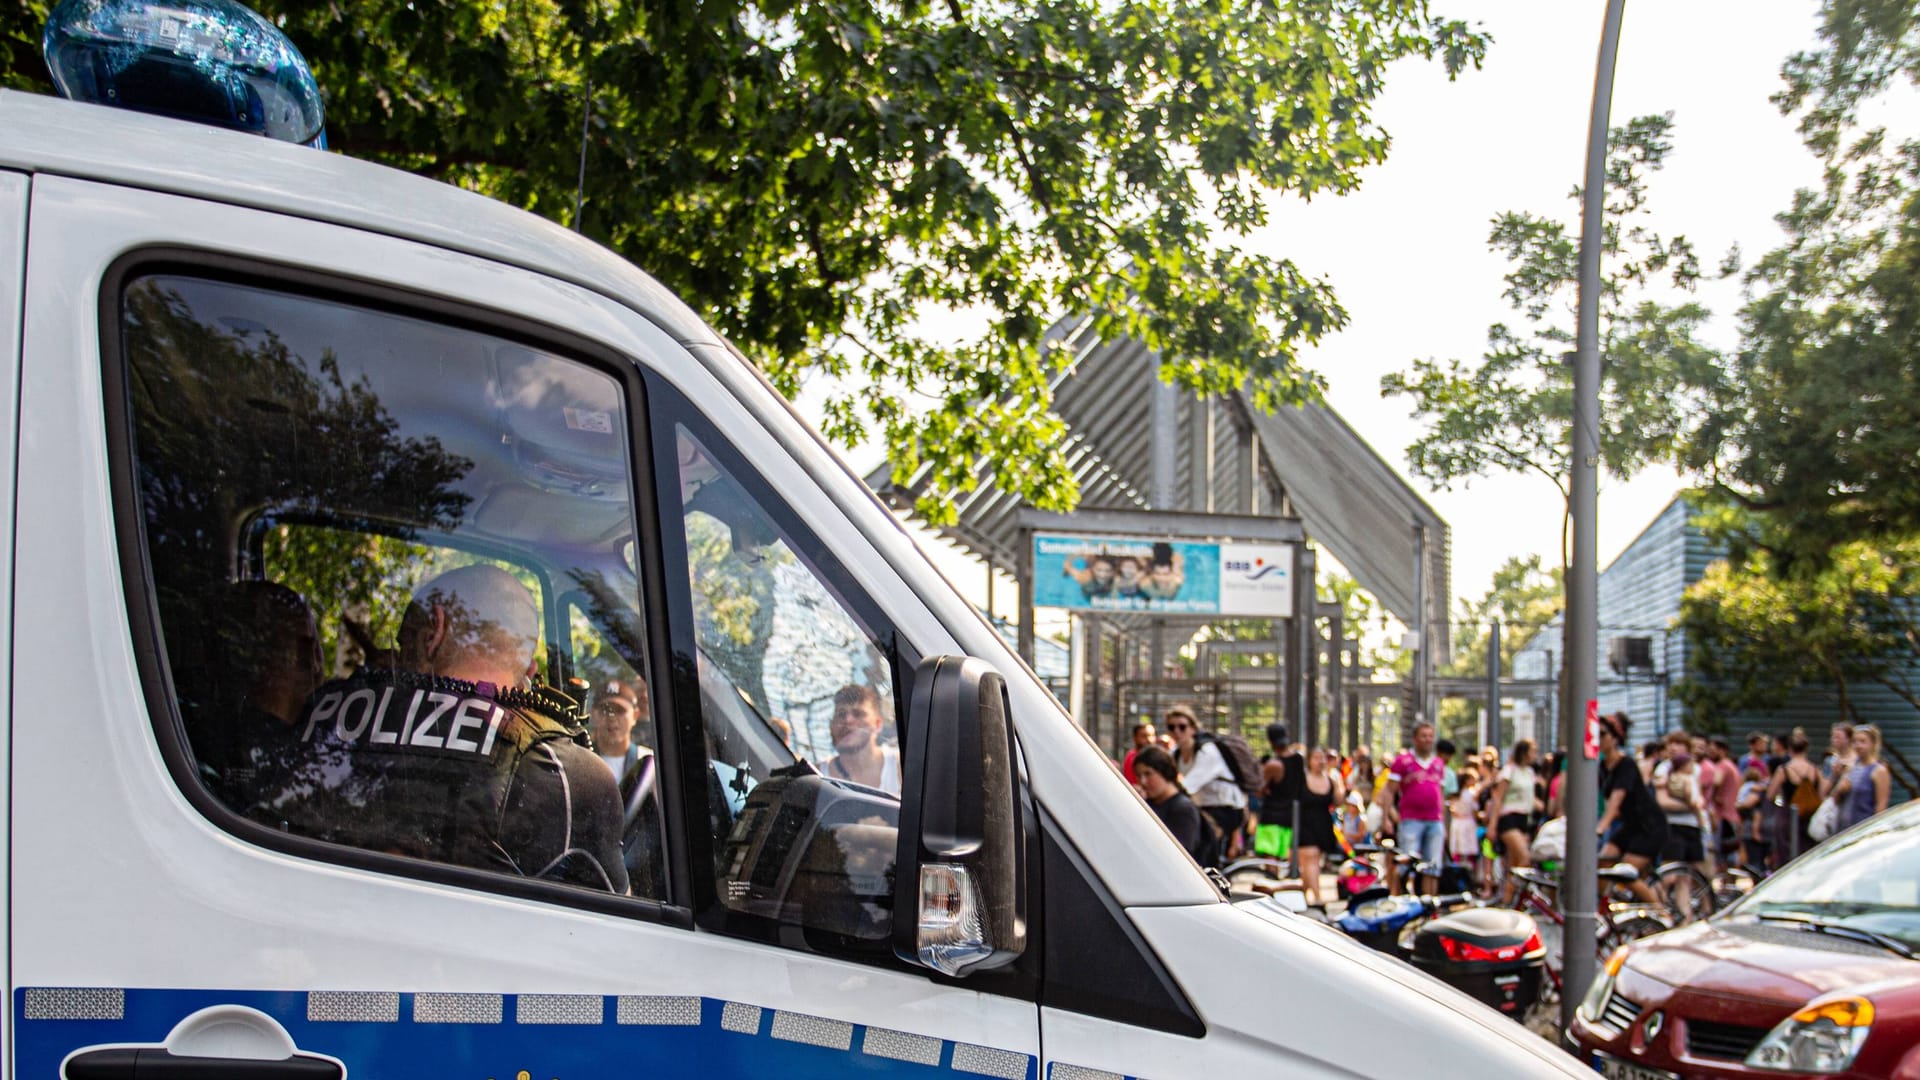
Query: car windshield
1867 879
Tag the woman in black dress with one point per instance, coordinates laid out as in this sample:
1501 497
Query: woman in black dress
1160 783
1321 792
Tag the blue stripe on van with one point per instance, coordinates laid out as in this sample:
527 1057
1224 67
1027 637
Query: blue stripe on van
502 1036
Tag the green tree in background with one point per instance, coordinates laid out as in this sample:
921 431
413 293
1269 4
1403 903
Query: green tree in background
1512 410
1363 618
1758 635
1524 596
1810 455
820 177
1817 427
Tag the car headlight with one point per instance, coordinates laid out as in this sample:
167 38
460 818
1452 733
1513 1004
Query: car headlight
1823 1037
1596 999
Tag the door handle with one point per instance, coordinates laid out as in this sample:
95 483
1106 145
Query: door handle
155 1063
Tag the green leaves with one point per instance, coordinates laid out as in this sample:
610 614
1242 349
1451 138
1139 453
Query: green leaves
828 181
1512 411
1817 425
1760 628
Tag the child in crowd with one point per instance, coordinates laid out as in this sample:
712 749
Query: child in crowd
1753 842
1463 825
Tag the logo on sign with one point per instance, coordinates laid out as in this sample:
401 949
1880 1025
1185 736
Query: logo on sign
1254 569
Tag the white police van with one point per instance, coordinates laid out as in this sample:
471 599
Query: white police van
257 395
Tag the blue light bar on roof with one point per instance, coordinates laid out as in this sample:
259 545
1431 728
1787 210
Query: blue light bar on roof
212 61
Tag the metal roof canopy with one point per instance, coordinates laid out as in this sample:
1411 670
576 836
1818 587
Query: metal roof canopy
1230 459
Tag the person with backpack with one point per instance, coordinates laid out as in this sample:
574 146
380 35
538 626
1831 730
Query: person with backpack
1797 789
1208 771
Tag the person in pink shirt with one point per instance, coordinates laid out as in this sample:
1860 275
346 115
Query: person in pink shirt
1414 807
1708 775
1726 801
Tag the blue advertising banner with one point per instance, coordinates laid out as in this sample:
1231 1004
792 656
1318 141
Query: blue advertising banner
1113 573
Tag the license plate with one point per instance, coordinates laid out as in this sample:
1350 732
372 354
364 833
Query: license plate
1615 1069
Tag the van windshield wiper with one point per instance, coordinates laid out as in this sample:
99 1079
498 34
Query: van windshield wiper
1839 929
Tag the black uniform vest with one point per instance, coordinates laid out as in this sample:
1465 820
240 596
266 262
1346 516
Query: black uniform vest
449 771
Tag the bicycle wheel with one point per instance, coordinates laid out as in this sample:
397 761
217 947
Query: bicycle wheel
1687 891
1732 883
1543 1017
1632 926
1258 864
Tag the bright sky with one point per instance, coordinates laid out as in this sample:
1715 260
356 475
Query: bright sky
1407 253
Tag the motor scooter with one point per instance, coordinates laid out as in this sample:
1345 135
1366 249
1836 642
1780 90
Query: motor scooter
1379 921
1493 954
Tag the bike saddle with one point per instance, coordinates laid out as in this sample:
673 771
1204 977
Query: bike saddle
1618 872
1532 876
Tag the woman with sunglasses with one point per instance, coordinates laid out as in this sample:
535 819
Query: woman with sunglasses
1209 779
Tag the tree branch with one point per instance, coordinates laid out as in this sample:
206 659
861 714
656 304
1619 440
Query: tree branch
1902 692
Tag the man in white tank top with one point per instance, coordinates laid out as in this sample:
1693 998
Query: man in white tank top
857 719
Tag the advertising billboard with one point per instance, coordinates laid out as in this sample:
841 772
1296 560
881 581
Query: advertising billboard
1168 577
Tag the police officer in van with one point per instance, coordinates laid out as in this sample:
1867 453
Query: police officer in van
445 759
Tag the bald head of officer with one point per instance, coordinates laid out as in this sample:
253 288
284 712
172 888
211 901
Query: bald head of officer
476 623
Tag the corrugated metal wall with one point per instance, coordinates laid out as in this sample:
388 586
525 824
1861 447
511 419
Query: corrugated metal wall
1640 593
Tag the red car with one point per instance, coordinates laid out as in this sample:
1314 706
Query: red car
1815 973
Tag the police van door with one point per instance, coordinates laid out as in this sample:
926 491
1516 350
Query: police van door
424 667
13 249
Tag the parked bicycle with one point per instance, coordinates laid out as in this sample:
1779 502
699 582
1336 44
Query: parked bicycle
1537 894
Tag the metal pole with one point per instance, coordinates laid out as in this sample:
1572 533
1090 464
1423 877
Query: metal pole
1096 655
1418 677
1351 647
1282 667
1337 655
1582 623
1166 446
1166 482
1025 556
1493 685
1307 647
1157 653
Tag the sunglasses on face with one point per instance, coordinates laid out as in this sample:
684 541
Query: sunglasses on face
1179 727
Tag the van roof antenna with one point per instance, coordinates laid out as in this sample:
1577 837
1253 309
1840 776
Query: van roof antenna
580 179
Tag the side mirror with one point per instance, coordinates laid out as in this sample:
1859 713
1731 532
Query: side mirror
960 875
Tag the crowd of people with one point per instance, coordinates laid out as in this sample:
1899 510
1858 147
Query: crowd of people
1682 798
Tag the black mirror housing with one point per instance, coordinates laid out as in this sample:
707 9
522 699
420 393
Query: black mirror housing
960 875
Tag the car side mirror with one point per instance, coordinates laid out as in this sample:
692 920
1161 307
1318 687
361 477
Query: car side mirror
960 881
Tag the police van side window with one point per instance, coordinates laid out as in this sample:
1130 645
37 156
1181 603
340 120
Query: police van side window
391 563
797 696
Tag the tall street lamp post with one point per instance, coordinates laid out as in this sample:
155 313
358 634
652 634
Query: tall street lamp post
1580 890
